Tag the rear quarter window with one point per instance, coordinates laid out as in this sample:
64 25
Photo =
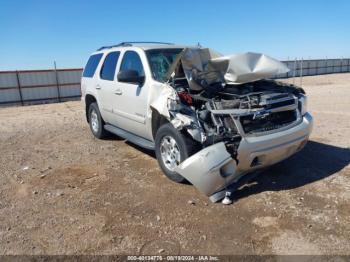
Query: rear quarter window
91 65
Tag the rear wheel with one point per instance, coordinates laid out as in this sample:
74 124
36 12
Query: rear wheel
172 148
96 121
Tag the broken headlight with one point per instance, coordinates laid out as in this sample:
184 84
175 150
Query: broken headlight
302 104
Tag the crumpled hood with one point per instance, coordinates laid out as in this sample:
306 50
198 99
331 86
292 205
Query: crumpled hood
248 67
203 66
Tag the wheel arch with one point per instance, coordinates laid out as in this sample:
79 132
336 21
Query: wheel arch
157 121
89 99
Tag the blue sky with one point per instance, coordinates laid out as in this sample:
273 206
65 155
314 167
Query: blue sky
35 33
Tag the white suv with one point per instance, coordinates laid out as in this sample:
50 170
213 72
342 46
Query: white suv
210 119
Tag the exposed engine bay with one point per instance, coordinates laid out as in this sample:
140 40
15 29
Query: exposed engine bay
234 113
219 111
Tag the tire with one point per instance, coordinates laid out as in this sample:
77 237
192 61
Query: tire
96 122
165 136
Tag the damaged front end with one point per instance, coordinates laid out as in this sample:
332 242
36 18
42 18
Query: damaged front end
242 121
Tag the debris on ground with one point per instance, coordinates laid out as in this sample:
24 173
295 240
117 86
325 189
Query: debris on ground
190 202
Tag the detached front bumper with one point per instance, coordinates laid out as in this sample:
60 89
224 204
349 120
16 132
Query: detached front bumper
212 170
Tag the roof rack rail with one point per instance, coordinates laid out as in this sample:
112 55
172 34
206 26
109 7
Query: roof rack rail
131 43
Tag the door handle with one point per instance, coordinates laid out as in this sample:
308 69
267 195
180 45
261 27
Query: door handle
118 92
98 87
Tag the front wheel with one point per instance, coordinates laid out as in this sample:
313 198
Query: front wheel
172 147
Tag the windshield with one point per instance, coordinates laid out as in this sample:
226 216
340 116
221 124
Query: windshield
160 61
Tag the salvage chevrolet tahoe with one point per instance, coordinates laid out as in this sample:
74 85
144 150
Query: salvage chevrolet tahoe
211 119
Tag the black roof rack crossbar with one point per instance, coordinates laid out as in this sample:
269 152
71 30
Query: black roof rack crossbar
131 43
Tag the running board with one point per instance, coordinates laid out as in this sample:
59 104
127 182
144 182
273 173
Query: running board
144 143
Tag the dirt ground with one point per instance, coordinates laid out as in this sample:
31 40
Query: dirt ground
64 192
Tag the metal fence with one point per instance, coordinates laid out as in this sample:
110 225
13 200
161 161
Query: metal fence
39 86
43 86
316 67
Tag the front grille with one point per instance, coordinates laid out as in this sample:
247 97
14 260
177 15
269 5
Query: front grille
270 101
280 104
270 122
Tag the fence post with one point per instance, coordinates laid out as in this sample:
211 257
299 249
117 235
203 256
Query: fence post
341 65
19 88
57 83
294 70
301 72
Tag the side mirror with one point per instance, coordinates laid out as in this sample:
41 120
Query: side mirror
130 76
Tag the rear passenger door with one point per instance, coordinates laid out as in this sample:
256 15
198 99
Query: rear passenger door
107 85
132 107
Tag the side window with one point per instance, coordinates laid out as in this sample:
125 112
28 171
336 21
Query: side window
109 65
91 65
132 61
